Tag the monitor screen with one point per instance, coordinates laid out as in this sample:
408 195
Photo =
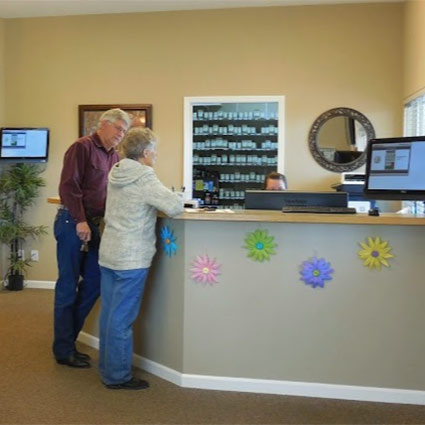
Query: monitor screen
395 169
24 144
277 199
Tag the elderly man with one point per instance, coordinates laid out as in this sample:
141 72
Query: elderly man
82 191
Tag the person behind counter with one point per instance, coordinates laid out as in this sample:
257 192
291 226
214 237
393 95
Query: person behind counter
126 251
82 191
275 181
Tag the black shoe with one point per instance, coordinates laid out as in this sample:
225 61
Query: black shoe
73 361
81 356
132 384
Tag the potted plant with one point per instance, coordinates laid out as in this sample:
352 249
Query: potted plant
19 187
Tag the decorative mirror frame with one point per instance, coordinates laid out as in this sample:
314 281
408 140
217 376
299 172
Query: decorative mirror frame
314 131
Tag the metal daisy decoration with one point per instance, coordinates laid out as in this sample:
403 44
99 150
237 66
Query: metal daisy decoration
260 245
205 270
316 271
375 253
168 241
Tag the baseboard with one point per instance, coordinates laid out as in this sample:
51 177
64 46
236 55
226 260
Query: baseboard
159 370
268 386
150 366
90 340
39 284
305 389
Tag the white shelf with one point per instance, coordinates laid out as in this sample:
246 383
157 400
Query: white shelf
272 121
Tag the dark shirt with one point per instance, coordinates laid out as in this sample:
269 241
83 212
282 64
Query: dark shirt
84 177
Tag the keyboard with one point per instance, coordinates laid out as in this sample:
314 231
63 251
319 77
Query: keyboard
319 210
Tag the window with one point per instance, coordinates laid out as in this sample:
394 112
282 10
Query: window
414 125
414 117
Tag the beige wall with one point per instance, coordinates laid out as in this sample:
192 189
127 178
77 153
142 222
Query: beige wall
363 328
2 101
414 53
320 57
2 69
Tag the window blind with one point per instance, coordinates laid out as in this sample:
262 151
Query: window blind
414 125
414 117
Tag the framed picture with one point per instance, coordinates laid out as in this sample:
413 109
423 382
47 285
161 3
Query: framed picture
88 116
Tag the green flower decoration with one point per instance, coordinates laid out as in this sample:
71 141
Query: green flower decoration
260 245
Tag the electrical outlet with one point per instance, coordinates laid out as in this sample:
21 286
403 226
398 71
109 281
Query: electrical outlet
21 254
34 255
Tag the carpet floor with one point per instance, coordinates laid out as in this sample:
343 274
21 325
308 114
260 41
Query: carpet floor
36 390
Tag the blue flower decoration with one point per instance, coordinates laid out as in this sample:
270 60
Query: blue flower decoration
316 271
169 241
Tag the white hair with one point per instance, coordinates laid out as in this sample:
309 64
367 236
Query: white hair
113 115
136 141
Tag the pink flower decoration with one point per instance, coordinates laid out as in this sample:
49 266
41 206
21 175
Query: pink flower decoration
205 270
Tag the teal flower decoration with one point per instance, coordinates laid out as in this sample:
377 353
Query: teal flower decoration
168 241
260 245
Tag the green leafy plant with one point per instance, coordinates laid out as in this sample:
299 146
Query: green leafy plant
19 188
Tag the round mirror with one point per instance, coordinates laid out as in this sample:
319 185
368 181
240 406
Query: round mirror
338 139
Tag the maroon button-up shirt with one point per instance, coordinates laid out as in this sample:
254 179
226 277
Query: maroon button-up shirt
84 177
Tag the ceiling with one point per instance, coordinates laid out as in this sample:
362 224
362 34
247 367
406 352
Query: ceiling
34 8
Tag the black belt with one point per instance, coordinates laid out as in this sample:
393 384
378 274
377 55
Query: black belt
93 220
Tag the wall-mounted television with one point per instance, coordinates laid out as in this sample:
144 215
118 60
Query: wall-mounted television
395 169
24 144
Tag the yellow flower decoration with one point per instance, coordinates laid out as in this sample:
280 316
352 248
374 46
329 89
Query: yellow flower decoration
375 253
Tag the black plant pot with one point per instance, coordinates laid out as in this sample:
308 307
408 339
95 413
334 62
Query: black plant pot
15 282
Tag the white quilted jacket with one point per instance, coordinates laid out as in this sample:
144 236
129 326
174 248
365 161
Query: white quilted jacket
133 198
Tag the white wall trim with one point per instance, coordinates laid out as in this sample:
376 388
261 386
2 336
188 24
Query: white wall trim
413 96
159 370
305 389
39 284
36 284
90 340
190 101
150 366
269 386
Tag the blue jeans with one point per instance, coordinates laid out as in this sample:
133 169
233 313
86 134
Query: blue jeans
121 296
78 284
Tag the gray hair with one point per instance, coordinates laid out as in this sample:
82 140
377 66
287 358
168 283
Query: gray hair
113 115
136 141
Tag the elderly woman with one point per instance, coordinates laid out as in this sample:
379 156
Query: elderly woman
126 251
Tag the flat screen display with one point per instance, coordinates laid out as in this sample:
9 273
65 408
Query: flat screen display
396 169
24 144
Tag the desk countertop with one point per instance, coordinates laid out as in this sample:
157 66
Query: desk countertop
279 217
390 219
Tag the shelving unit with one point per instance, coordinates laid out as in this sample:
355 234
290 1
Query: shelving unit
230 146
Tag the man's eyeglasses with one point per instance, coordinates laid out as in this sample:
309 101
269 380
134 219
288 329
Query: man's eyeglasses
119 128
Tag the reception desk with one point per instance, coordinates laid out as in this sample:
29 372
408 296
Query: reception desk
261 328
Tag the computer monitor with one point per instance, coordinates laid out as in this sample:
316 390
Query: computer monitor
395 169
277 199
24 144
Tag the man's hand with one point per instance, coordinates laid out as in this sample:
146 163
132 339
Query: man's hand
83 231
